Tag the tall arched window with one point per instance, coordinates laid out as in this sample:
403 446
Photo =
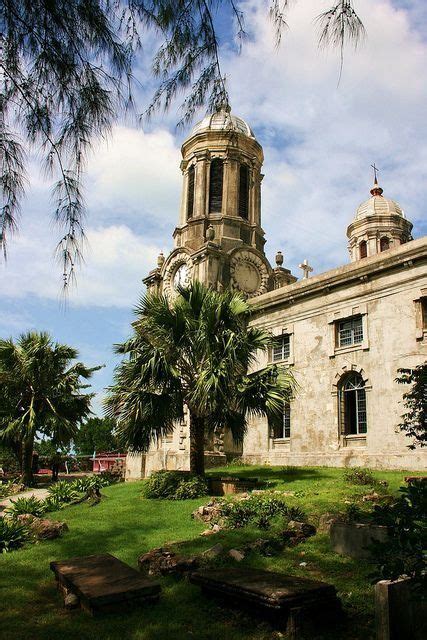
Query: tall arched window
384 243
363 249
352 404
216 180
243 208
190 192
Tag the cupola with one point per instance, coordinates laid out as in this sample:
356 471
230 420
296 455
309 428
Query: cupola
379 224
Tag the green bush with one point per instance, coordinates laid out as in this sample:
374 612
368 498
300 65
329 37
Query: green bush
31 505
83 485
9 488
13 534
174 485
63 491
405 551
360 476
258 510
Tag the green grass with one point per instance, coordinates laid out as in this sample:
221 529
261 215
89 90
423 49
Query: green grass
127 525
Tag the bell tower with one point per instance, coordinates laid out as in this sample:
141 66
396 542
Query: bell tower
219 239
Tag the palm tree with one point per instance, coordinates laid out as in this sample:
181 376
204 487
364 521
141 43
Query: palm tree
40 393
196 350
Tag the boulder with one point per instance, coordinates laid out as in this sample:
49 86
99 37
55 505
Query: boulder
303 528
236 555
42 528
213 552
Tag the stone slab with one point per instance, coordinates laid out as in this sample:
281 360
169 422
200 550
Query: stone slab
298 604
353 539
103 582
398 614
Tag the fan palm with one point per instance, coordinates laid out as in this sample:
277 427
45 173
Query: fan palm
40 393
196 350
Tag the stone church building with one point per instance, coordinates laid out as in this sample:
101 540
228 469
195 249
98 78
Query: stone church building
344 332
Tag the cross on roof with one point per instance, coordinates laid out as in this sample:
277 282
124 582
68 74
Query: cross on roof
376 170
306 268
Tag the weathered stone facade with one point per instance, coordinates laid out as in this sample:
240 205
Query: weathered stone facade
344 332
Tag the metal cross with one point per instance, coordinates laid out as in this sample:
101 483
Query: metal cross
306 268
376 170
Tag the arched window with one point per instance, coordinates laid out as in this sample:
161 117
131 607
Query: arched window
190 192
243 208
363 249
352 404
215 186
384 243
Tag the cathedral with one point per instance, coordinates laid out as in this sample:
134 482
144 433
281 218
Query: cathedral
344 333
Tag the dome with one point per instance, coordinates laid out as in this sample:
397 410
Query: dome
223 120
377 205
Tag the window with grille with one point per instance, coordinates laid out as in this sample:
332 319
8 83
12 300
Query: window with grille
190 192
280 429
352 405
350 332
215 186
243 208
281 349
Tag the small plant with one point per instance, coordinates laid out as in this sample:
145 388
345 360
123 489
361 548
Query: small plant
31 505
83 485
174 485
9 488
63 491
360 476
13 534
353 513
257 510
53 503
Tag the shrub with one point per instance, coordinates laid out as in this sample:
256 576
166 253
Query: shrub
258 510
63 491
31 505
9 488
174 485
83 485
359 476
192 488
405 551
13 534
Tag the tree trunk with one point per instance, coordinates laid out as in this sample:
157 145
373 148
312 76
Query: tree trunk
197 445
27 461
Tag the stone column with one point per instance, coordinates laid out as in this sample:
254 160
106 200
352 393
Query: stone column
201 185
231 185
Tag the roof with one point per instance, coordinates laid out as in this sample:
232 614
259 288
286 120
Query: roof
223 120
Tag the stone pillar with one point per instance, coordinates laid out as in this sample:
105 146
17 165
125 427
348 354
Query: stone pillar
397 615
231 186
201 188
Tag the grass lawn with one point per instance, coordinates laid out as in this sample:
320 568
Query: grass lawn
127 525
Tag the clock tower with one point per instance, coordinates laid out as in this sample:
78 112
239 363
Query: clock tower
219 239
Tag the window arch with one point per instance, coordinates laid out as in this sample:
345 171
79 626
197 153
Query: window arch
216 179
384 243
190 192
363 249
352 405
243 204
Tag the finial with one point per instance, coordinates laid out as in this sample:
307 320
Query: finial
376 189
160 260
307 269
279 258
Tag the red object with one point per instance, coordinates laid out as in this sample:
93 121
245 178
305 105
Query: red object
105 461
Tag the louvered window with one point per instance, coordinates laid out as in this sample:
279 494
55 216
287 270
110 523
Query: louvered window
384 244
244 191
280 428
190 192
350 332
363 249
281 349
215 186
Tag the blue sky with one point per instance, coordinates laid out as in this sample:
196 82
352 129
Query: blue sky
319 141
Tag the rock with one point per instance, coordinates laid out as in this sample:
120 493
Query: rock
161 561
371 497
208 532
302 528
207 512
213 552
236 555
42 528
326 520
71 601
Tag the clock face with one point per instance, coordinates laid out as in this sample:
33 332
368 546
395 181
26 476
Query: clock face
247 277
180 278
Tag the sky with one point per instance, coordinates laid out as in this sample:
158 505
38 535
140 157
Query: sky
319 139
